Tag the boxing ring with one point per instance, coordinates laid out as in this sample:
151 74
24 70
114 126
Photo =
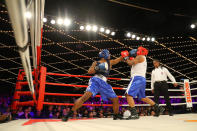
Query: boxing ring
179 122
36 78
40 102
36 81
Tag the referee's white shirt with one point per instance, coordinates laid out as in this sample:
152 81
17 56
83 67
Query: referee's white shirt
161 74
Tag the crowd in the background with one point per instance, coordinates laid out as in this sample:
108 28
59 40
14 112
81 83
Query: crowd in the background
59 111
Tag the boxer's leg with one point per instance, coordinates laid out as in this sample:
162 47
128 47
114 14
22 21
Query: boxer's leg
79 102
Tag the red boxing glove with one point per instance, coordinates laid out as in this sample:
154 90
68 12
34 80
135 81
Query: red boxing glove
125 54
131 58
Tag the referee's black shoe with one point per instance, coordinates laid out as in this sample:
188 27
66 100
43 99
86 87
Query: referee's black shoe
171 113
158 110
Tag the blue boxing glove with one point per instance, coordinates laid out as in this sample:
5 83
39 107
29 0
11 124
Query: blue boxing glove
133 53
102 67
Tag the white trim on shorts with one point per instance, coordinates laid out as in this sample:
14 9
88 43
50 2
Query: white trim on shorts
102 77
129 86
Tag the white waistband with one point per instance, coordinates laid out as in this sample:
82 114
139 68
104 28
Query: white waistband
101 77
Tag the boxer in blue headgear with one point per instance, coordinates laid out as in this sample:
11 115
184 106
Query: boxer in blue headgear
133 53
103 68
98 84
104 54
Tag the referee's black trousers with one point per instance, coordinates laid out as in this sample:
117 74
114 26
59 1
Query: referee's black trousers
161 88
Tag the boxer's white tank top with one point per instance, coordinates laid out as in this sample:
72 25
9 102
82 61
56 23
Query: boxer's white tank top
139 69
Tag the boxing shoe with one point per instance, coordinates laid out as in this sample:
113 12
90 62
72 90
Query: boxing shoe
134 114
117 117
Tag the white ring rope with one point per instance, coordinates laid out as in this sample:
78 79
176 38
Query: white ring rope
193 89
174 104
163 96
194 81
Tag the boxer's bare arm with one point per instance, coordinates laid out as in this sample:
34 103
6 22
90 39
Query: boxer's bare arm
91 70
138 59
116 61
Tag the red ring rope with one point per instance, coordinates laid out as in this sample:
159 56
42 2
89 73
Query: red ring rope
84 86
57 74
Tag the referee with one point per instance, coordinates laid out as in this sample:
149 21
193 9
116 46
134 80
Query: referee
159 84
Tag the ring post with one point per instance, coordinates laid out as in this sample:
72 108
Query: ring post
188 97
42 88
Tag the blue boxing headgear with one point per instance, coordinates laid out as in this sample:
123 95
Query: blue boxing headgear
104 54
133 53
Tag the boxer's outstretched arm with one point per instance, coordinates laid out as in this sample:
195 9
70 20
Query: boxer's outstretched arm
91 70
138 59
116 61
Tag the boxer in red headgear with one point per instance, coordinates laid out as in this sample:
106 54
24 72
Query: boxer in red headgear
142 51
136 59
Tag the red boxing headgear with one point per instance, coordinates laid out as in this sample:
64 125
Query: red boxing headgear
142 51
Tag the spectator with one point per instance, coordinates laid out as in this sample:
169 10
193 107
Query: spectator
148 113
67 109
152 113
91 115
7 112
30 111
145 112
85 114
26 114
20 112
101 114
94 113
49 112
80 115
64 112
59 108
57 115
3 106
142 114
166 112
75 115
39 114
5 118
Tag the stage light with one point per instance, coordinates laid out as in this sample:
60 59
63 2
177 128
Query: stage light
60 21
133 36
94 28
128 34
28 15
143 39
113 33
44 19
67 22
52 21
107 31
153 39
137 38
102 29
82 27
193 26
88 27
148 39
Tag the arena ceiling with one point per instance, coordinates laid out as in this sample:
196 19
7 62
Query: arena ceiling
72 51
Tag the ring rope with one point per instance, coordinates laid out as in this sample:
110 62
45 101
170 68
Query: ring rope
71 104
